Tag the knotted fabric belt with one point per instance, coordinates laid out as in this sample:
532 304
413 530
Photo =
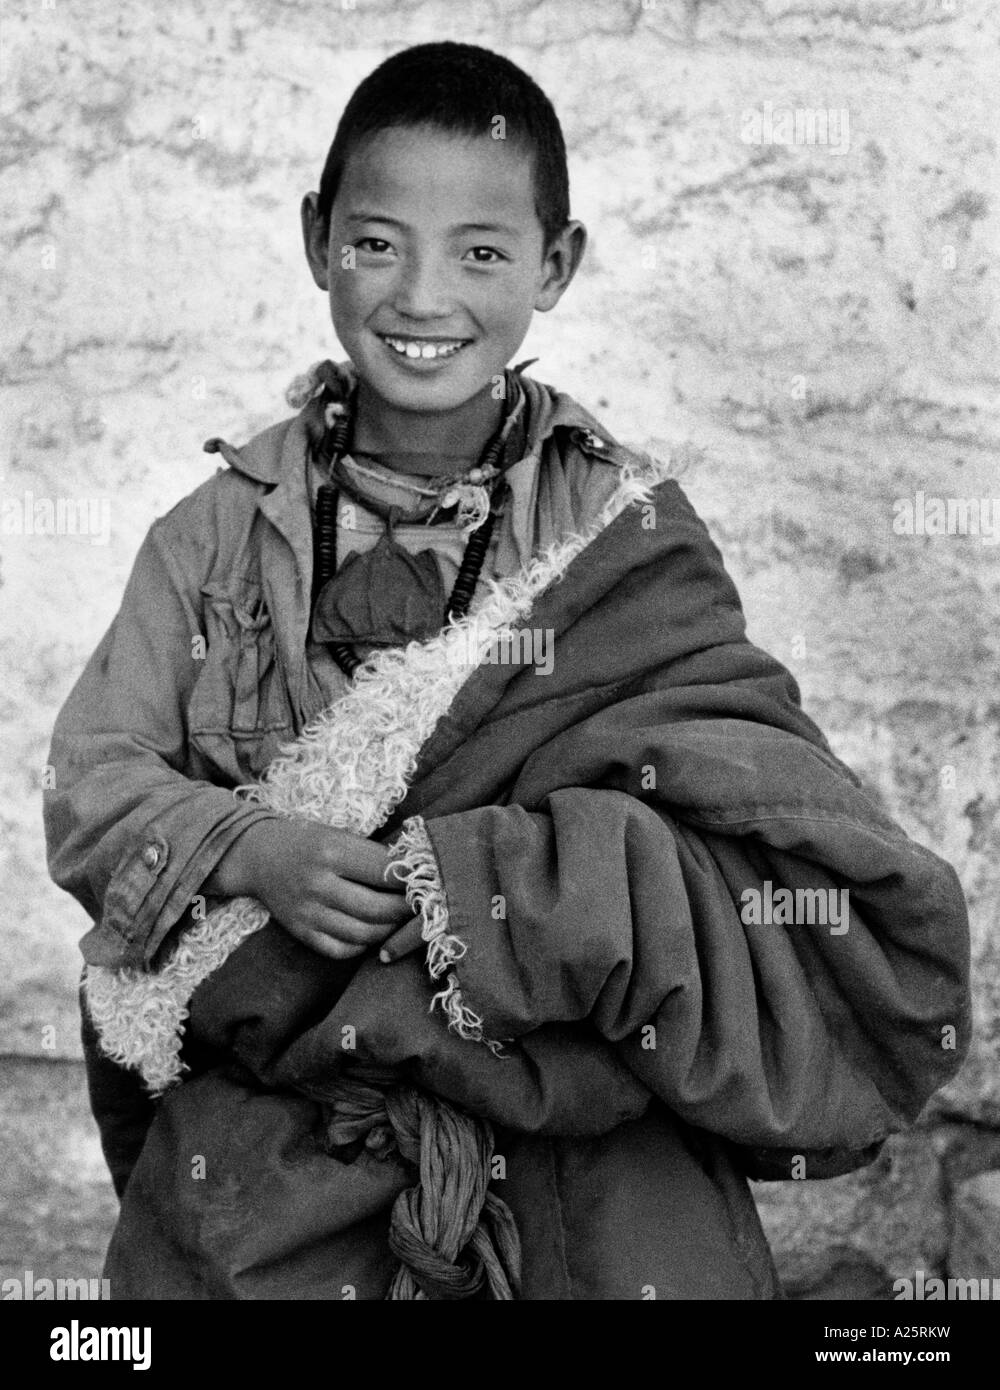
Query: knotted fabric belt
454 1238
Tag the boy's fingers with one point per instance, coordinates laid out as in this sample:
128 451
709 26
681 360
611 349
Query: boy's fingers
403 942
357 931
328 946
365 861
367 904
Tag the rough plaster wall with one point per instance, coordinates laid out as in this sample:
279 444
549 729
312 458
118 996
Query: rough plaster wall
820 322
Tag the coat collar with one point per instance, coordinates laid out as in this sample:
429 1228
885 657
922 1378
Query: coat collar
273 453
276 459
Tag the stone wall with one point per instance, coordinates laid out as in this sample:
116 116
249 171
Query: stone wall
818 319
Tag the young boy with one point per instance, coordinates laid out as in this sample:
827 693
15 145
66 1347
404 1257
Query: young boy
678 943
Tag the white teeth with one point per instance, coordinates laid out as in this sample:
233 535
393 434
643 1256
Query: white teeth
411 349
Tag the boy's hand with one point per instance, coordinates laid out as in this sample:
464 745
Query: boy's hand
326 887
404 942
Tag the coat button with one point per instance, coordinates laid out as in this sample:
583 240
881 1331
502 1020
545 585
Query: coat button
151 856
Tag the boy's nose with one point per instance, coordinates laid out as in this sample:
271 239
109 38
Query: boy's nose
421 293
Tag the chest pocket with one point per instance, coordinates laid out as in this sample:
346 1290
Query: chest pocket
239 711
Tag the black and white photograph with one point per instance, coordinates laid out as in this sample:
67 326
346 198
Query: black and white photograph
500 614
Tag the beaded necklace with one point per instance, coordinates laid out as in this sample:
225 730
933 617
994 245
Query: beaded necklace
480 516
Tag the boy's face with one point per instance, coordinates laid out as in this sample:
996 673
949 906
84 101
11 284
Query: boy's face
435 263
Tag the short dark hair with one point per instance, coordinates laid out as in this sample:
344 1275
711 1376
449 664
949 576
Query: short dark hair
461 88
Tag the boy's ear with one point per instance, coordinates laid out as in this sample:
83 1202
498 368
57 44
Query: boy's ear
562 260
315 236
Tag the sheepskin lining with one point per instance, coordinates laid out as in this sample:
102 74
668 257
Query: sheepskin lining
414 854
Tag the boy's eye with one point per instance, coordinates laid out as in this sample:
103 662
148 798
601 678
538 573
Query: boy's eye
480 253
375 244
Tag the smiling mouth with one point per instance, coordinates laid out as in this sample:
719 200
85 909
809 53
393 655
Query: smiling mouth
424 349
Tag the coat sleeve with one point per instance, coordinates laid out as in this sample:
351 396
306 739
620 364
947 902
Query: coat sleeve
128 834
824 1034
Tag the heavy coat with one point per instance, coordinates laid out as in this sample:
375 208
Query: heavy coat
587 848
